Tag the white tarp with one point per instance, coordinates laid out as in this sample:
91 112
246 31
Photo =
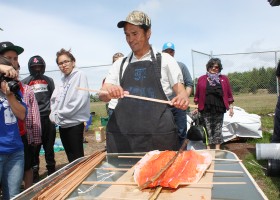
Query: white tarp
242 124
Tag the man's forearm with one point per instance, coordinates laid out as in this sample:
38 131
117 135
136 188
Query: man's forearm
17 108
188 91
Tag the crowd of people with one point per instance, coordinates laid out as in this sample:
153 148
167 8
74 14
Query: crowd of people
32 108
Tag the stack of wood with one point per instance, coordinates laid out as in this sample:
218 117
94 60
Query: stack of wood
62 186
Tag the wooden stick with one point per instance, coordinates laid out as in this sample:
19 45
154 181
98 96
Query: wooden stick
135 97
114 169
216 159
181 184
232 160
209 171
156 193
224 171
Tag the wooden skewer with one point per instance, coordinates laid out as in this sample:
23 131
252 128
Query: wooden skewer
216 159
209 171
156 193
224 171
232 160
135 97
114 169
181 184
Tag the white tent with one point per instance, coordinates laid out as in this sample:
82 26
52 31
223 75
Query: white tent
242 124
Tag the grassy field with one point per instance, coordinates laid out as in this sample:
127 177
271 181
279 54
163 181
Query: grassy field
261 104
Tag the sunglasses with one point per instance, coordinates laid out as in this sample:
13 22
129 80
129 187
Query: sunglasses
214 67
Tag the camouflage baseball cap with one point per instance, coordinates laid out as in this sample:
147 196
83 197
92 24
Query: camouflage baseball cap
137 18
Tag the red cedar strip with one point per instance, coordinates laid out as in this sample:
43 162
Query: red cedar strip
54 190
87 171
64 185
74 178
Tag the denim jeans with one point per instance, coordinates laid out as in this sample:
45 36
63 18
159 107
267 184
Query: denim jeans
181 122
276 130
11 173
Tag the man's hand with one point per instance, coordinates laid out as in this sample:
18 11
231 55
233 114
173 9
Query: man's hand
115 91
5 88
110 91
9 71
181 102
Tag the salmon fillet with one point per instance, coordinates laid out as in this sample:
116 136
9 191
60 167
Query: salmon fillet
188 167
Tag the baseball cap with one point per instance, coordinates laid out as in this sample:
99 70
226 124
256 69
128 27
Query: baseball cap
137 18
168 45
36 60
6 46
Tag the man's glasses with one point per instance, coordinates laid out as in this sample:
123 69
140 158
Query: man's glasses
64 62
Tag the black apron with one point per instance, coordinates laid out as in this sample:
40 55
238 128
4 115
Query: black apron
139 125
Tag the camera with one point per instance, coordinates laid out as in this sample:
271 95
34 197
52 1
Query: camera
12 84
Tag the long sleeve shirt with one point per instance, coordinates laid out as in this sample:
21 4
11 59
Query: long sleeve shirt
200 94
69 106
32 121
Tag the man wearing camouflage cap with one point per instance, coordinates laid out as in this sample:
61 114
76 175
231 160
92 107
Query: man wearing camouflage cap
139 125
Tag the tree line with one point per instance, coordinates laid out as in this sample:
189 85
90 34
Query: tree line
253 81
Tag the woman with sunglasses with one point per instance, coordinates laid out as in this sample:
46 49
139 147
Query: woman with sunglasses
214 97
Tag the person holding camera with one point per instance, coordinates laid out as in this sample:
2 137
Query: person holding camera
30 128
12 109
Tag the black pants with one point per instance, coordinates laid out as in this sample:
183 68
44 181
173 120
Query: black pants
28 153
72 140
48 139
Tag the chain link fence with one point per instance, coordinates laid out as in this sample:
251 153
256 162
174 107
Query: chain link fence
252 77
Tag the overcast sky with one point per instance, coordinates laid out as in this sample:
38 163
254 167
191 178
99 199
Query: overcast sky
89 28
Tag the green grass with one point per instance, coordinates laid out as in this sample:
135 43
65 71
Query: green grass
269 185
261 104
100 111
